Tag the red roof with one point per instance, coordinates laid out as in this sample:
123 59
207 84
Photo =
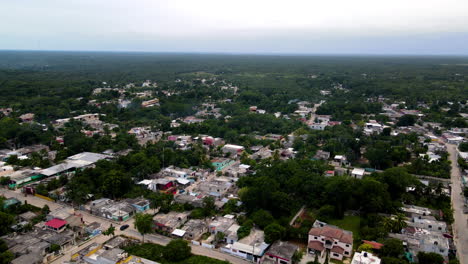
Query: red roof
374 244
317 245
56 223
337 249
333 233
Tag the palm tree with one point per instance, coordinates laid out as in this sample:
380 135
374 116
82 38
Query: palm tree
399 222
144 224
387 224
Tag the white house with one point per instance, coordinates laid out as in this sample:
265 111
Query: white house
233 149
431 225
365 258
318 126
250 248
323 237
358 173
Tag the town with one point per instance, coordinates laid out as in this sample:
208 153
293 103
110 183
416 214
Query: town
202 169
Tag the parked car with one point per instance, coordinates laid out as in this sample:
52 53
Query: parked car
122 228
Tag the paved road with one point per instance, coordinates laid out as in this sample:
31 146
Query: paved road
105 223
460 226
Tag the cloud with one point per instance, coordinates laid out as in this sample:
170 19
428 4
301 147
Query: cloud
235 26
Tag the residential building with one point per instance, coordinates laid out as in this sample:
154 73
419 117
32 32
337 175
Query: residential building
26 118
170 221
27 216
365 258
358 173
231 234
140 204
176 172
250 248
233 149
324 237
107 208
422 240
215 188
341 160
194 229
428 224
221 163
413 210
150 103
57 225
10 202
189 199
279 252
221 224
322 155
318 126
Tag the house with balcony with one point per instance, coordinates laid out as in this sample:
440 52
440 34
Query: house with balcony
324 237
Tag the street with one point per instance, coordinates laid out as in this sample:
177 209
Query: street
460 228
105 223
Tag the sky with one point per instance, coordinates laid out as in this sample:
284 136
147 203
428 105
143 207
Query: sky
417 27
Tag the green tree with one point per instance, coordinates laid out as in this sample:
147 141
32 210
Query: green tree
430 257
6 257
144 224
45 209
54 248
4 180
220 236
6 220
262 218
463 147
274 232
177 250
391 260
365 247
406 120
208 206
245 228
110 231
392 248
399 222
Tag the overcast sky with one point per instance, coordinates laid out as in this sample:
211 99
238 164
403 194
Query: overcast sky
245 26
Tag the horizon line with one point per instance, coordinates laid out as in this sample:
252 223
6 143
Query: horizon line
244 53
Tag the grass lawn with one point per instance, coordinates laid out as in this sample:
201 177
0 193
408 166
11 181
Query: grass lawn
351 223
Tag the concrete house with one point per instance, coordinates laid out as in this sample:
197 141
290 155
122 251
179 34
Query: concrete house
358 173
422 240
170 221
216 187
365 258
194 229
221 224
139 204
279 252
322 155
57 225
324 237
220 163
233 149
117 211
250 248
428 224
